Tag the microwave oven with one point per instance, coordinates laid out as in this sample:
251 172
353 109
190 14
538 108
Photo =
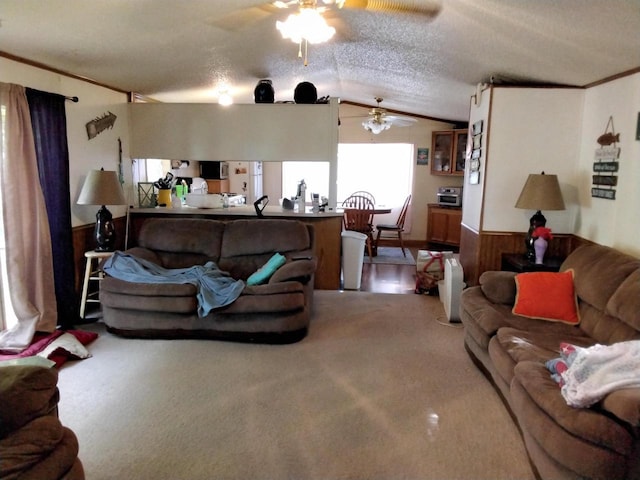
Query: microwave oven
450 196
210 170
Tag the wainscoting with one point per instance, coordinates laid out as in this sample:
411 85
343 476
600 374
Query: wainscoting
482 251
479 252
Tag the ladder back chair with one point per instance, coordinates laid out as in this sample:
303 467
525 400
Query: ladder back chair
396 228
358 217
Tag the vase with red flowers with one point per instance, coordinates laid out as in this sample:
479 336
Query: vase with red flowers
541 236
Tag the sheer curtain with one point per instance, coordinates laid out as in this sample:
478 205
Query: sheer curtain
29 259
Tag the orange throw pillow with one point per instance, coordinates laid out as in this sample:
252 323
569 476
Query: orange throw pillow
547 296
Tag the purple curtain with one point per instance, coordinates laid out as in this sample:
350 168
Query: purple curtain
49 123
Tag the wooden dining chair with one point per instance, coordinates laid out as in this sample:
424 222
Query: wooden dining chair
396 228
358 216
359 202
364 193
359 220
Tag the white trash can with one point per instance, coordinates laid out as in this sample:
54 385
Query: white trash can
352 259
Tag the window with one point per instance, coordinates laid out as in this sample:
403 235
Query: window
384 169
314 174
7 315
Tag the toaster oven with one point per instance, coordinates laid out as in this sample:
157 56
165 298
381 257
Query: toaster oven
450 196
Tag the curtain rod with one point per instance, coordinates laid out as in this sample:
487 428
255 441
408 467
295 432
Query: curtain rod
73 99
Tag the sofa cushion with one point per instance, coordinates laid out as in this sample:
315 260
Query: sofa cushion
265 236
541 345
585 423
625 302
269 298
547 296
582 440
605 264
158 297
605 328
182 242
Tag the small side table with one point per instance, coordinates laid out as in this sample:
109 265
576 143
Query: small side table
517 262
92 272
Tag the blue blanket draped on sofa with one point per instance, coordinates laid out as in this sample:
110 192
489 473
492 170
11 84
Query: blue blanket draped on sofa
215 287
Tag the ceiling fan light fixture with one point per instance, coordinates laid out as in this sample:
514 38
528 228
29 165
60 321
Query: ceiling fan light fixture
376 126
307 25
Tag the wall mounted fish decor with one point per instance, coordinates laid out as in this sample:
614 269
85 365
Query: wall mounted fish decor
100 124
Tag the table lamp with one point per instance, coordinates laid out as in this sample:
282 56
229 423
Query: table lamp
103 188
540 192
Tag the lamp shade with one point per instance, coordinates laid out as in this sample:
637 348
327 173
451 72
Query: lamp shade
101 188
541 192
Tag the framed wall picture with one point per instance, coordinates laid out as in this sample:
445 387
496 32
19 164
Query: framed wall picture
422 156
477 128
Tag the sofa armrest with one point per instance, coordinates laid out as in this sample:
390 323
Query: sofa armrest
499 287
295 270
624 404
26 393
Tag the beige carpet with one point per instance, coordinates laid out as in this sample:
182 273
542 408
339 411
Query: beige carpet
380 389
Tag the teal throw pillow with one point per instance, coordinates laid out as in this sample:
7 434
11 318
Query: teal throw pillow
263 274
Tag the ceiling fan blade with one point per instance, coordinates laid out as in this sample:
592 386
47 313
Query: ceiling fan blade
430 8
243 18
400 121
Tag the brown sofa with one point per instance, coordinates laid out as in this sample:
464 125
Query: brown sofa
602 441
276 312
33 442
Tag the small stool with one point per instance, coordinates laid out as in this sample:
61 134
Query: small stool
92 273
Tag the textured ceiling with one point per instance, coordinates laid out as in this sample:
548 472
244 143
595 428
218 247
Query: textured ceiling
182 51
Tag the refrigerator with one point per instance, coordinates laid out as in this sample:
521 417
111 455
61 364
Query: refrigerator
245 178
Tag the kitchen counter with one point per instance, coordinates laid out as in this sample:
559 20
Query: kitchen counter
327 227
237 211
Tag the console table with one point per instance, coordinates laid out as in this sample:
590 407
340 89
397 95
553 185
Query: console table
517 262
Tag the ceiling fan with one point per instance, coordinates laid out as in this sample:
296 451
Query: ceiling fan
379 120
308 24
429 7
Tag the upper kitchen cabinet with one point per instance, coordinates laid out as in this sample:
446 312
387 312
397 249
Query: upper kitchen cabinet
449 152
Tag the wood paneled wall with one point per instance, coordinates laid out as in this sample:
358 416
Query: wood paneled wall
482 251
